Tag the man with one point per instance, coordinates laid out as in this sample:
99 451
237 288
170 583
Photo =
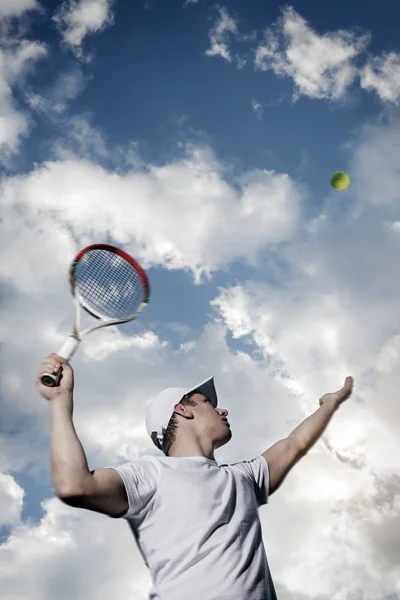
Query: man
195 522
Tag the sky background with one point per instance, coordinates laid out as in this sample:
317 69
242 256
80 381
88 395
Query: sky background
200 137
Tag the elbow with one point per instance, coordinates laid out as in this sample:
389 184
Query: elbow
67 494
67 490
70 498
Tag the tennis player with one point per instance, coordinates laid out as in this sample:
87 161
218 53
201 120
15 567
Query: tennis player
195 522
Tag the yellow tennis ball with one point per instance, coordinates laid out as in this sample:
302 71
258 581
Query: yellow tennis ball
340 180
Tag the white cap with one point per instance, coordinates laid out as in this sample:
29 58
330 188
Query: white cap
160 410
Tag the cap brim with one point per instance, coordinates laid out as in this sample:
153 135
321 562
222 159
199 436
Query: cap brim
207 388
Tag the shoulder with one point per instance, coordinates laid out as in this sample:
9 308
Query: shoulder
143 467
248 468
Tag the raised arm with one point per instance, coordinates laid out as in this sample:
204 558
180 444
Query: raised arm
283 455
102 490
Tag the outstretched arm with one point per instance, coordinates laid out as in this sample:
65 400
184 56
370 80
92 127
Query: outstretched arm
283 455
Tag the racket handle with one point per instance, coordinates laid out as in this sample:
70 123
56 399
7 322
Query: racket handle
51 379
67 351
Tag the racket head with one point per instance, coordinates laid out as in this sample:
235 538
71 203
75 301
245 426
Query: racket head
108 283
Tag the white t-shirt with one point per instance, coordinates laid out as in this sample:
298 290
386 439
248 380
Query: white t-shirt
197 527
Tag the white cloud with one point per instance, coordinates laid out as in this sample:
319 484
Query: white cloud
61 557
14 8
190 3
13 124
321 66
58 98
382 75
78 138
16 60
187 216
376 165
11 498
111 342
77 19
224 27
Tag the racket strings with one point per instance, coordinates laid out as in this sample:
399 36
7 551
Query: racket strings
109 285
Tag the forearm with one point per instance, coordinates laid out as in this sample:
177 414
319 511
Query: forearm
68 460
311 429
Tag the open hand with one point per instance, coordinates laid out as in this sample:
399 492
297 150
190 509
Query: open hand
341 395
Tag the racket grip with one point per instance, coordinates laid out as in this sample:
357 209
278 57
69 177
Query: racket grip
67 351
51 379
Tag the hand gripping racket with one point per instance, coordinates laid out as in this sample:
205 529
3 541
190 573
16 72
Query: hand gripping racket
108 284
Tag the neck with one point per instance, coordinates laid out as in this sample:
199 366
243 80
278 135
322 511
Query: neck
187 449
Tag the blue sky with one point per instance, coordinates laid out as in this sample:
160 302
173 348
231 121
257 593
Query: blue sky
200 137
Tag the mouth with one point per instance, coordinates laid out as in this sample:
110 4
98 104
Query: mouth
226 423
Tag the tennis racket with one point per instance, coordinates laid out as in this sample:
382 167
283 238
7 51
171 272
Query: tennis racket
109 285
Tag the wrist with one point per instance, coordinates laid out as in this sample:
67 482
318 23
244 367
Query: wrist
331 404
62 399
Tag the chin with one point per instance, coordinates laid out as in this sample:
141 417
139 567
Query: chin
222 441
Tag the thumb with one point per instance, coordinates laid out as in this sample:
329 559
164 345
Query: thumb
348 383
347 388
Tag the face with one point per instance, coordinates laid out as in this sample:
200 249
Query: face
210 422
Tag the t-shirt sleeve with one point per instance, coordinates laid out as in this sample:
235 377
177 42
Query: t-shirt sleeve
141 482
258 472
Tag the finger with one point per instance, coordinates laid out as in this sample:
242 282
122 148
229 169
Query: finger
60 359
50 360
348 384
52 367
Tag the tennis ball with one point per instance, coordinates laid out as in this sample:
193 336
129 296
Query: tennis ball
340 180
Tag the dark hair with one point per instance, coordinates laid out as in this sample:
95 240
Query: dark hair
172 428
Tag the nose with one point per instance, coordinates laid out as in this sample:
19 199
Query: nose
223 412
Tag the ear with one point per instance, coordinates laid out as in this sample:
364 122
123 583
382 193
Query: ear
184 411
